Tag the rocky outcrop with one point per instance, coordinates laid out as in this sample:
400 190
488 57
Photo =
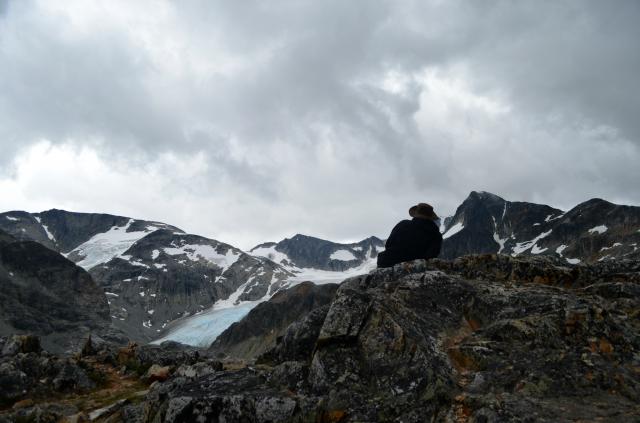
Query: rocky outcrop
99 383
595 230
302 251
45 294
483 338
28 372
258 331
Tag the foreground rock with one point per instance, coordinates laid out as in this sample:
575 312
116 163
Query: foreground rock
494 339
258 331
100 382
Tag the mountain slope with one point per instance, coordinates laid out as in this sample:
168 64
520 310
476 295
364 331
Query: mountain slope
45 294
166 275
592 231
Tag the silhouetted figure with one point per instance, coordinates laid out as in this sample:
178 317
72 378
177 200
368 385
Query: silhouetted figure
418 238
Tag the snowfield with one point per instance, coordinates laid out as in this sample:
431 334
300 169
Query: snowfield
196 252
343 255
104 246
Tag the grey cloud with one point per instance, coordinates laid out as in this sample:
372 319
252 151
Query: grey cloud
301 116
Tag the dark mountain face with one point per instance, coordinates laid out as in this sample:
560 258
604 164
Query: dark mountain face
46 294
168 275
304 251
592 231
25 227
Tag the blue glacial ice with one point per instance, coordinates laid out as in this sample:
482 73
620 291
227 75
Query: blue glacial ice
202 329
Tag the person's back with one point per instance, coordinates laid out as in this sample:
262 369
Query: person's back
418 238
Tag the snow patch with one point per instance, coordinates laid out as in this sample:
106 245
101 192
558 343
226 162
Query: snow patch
155 254
111 294
46 229
524 246
104 246
538 250
342 255
500 241
615 244
572 260
598 229
453 230
550 217
560 249
196 252
13 219
272 254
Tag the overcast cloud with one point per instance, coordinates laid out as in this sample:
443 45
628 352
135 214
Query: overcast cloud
249 121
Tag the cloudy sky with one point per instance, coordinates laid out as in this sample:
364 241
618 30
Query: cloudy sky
249 121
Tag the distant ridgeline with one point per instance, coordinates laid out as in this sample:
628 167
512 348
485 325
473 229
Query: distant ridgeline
152 273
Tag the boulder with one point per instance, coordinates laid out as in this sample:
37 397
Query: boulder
21 344
157 373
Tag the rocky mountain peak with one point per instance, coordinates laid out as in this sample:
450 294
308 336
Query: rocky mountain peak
304 251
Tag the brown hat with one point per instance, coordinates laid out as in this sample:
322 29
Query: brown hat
424 211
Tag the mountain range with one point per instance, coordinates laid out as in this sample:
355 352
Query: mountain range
592 231
151 275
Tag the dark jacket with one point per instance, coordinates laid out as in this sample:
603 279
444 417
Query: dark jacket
409 240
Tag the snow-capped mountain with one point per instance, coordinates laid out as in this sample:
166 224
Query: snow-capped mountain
85 238
307 252
152 273
592 231
168 275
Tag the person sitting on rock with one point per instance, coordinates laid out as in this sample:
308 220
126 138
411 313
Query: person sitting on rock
418 238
